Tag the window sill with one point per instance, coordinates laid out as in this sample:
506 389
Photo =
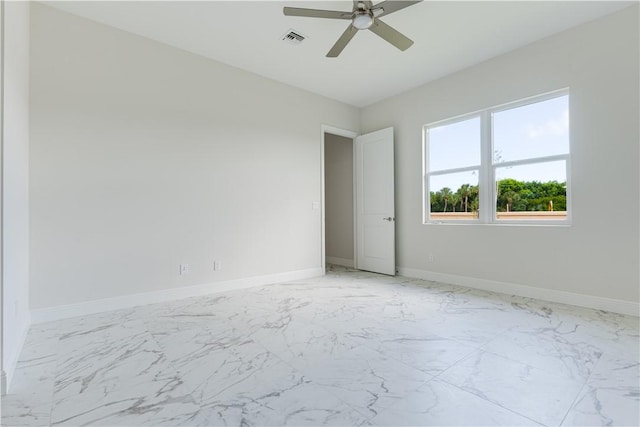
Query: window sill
553 224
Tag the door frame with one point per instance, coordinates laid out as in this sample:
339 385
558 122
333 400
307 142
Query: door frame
347 134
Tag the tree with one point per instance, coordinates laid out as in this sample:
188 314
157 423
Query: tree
464 192
474 198
519 196
453 198
475 205
436 201
511 196
446 194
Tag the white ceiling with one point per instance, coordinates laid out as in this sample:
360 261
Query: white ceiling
448 35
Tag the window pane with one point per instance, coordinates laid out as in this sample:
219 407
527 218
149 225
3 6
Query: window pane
534 130
455 145
532 192
454 196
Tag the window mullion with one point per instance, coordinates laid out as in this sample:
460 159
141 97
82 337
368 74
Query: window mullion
533 160
426 198
486 170
456 170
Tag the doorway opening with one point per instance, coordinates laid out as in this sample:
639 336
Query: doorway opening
339 246
358 200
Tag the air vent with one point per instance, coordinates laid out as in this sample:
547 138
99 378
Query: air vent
293 37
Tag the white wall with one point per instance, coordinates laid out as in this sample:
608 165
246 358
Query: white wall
15 183
144 156
598 255
338 165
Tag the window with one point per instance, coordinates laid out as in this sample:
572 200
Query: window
508 164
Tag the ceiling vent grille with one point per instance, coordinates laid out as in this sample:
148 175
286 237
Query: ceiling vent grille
293 37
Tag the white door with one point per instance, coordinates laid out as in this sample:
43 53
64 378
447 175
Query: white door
375 213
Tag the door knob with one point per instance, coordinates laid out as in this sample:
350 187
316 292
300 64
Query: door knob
389 218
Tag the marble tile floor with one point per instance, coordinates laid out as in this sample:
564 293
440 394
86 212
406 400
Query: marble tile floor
349 348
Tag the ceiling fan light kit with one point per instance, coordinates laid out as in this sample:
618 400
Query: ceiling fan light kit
362 20
363 17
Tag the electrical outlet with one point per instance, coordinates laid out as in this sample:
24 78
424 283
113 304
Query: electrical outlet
431 258
217 266
184 269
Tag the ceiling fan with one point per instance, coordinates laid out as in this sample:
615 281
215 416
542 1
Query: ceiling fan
363 17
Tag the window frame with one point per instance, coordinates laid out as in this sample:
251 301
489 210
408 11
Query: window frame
426 211
487 184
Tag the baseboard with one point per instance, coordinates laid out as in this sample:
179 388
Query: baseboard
12 359
340 261
570 298
133 300
128 301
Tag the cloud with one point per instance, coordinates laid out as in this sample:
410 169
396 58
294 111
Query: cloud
558 127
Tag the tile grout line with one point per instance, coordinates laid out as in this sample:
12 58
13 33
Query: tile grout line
584 385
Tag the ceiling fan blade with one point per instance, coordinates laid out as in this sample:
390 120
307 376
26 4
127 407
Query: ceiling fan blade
317 13
391 35
392 6
342 42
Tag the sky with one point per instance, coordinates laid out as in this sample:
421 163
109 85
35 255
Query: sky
534 130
